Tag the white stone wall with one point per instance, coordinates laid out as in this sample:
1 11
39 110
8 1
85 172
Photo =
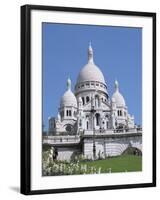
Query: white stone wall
110 146
66 153
105 145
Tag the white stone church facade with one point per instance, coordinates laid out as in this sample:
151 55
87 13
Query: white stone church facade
89 122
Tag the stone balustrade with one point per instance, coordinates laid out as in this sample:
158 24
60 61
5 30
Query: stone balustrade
61 139
110 132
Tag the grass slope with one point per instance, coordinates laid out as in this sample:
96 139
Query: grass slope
129 163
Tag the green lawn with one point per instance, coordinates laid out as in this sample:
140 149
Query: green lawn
122 163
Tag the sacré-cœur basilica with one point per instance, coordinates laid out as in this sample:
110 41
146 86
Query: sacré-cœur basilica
91 123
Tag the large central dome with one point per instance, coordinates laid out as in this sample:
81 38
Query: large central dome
90 72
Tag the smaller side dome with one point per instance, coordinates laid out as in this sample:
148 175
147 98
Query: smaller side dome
68 99
117 96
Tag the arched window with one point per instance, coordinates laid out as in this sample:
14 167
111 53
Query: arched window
120 112
97 102
107 116
97 119
70 114
107 124
87 99
83 100
87 125
80 122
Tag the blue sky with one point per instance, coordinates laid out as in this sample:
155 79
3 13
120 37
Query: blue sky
117 52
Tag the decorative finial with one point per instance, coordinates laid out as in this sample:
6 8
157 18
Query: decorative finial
68 84
90 53
116 85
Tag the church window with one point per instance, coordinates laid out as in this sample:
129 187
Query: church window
83 100
87 99
80 122
70 114
97 119
67 112
68 128
120 112
107 124
87 125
